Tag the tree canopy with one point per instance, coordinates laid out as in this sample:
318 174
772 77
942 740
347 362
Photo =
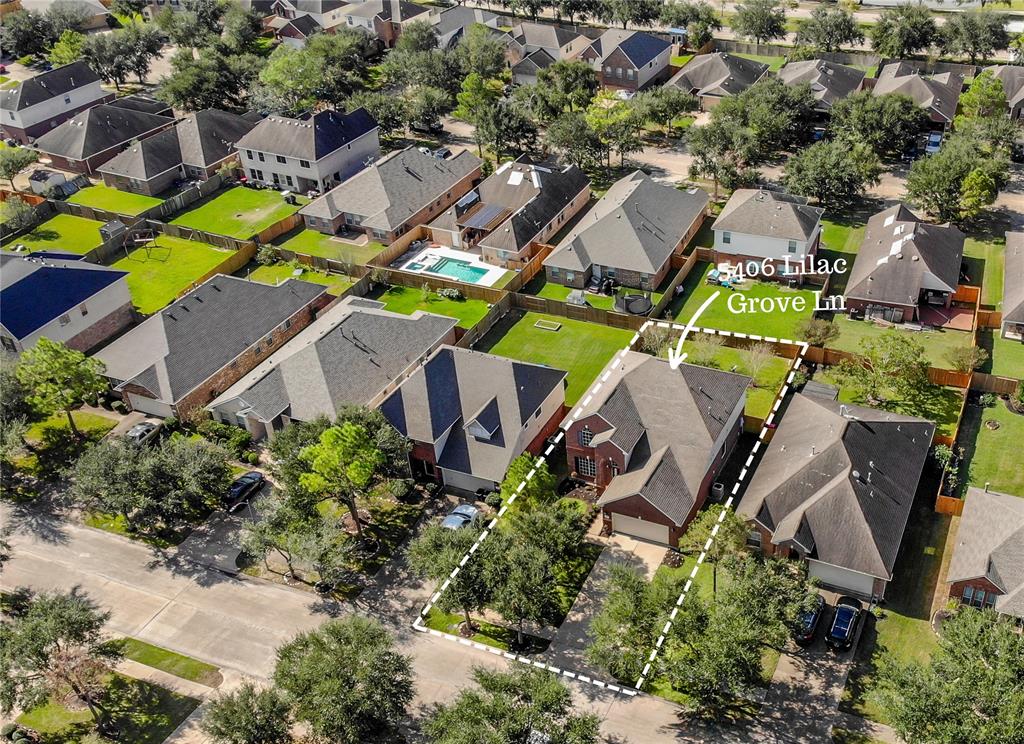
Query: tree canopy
829 29
60 378
760 20
834 172
903 31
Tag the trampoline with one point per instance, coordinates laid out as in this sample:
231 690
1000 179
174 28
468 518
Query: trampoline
633 302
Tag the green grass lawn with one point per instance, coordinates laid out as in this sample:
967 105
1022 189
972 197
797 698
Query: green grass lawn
983 254
488 634
776 323
580 348
680 59
63 232
168 661
276 273
144 714
937 343
114 523
539 286
114 200
53 447
408 300
570 575
774 63
1006 357
238 212
992 455
166 268
313 243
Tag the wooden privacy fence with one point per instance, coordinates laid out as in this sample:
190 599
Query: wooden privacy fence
232 263
280 228
989 319
92 213
44 210
589 314
471 337
685 265
174 204
993 384
936 375
190 233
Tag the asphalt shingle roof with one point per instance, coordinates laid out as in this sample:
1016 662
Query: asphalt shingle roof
146 158
634 226
899 252
839 482
1012 78
47 85
452 23
312 138
1013 278
939 94
181 346
829 81
769 213
638 46
209 136
97 129
718 74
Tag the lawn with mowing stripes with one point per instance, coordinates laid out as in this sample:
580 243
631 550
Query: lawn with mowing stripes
114 200
168 661
276 273
64 232
168 266
407 300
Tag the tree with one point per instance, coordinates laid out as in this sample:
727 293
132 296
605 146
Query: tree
279 528
425 105
524 586
343 465
105 55
834 172
329 68
519 705
637 12
475 100
322 542
418 36
242 31
57 643
892 362
616 125
698 18
248 715
480 52
211 80
538 491
572 83
1017 49
13 160
63 17
903 31
558 529
505 127
829 29
984 99
966 359
888 124
346 681
975 34
196 25
663 105
570 136
817 331
581 9
67 49
25 32
958 181
760 20
757 357
777 116
730 539
129 8
118 479
721 151
60 378
386 109
286 446
17 213
141 44
968 692
437 551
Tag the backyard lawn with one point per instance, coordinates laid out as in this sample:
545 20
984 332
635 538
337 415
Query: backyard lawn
64 232
993 455
407 300
276 273
143 713
1006 357
313 243
937 343
680 59
774 63
580 348
776 323
238 212
168 661
168 266
114 200
983 255
539 286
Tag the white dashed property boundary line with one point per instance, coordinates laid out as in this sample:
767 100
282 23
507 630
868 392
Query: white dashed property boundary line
624 689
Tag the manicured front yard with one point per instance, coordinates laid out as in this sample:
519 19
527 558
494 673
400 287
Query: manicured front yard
1006 357
776 323
238 212
408 300
580 348
143 713
114 200
276 273
993 455
168 266
54 447
313 243
63 232
488 634
938 343
116 524
168 661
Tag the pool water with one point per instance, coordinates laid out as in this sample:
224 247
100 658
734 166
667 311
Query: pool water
415 266
461 270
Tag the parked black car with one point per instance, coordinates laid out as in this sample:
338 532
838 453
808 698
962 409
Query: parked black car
844 624
807 623
243 489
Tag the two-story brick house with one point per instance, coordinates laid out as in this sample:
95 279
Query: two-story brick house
384 19
312 153
403 189
185 355
35 106
628 60
654 439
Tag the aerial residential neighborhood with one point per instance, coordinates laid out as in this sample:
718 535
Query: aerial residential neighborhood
564 372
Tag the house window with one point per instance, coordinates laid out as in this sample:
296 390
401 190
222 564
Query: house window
586 436
586 467
289 180
7 343
379 234
304 163
64 320
270 340
615 468
288 324
536 413
281 159
248 154
726 238
554 272
257 174
792 246
618 72
258 350
629 74
754 539
262 159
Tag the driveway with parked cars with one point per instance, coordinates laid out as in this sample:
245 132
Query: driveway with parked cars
217 542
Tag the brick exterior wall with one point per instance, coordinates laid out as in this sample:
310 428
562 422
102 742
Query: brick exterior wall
152 187
36 130
103 329
909 311
956 588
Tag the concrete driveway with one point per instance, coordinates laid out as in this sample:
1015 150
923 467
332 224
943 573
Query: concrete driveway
217 542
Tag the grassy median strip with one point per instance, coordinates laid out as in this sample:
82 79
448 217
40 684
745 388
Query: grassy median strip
168 661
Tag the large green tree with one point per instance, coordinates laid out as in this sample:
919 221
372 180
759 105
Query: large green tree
13 160
571 137
60 378
974 34
887 123
106 56
629 12
438 550
892 364
728 534
777 116
481 52
67 49
346 681
958 181
760 20
539 489
524 586
903 31
211 80
985 98
829 30
518 705
663 105
572 84
698 18
834 172
25 32
248 715
722 151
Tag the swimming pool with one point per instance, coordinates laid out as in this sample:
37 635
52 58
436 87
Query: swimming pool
461 270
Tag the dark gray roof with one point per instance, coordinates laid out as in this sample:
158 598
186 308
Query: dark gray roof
146 158
900 253
47 85
457 387
829 81
185 343
543 35
306 25
939 94
1012 78
635 226
310 138
769 213
1013 278
396 187
534 193
533 62
97 129
718 74
838 482
209 136
145 104
638 46
452 23
396 11
347 356
990 544
667 421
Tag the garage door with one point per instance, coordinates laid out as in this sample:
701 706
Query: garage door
143 404
841 578
640 528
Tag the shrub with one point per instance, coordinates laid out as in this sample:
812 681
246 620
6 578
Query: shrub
988 400
253 458
233 438
493 500
967 358
449 293
1018 396
817 331
26 60
424 292
267 255
119 406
